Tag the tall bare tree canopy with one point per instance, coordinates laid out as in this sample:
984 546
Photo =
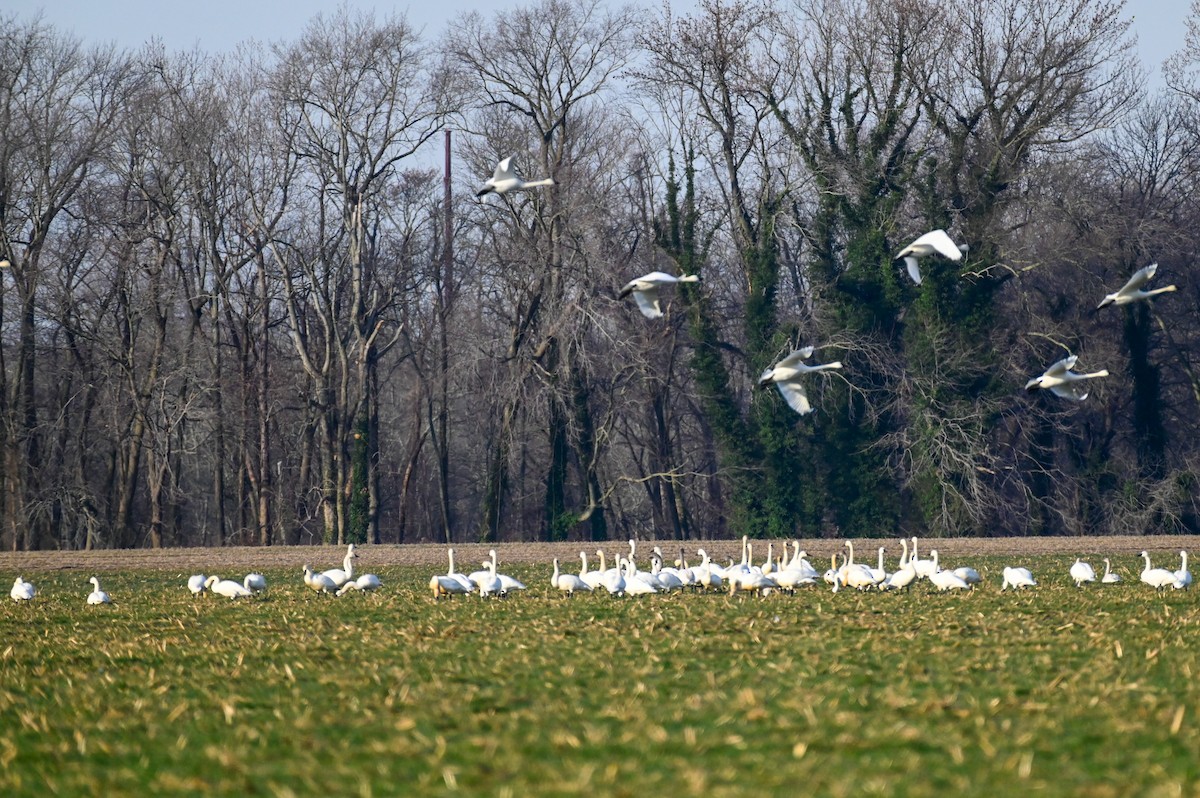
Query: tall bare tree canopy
243 303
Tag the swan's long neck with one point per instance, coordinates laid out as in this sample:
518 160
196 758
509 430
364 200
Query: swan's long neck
1146 557
492 554
538 183
1157 291
583 557
745 549
934 554
850 558
904 554
450 553
881 558
603 565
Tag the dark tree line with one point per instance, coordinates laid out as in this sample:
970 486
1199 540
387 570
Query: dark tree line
243 307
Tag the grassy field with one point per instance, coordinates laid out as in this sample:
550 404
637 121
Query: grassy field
1053 691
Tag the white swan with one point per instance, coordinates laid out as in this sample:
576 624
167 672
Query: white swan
1082 572
1061 381
1110 577
507 583
1158 578
946 580
1132 290
645 290
340 576
923 567
463 579
854 574
226 587
934 241
319 582
1183 577
364 582
568 583
1017 578
255 583
22 590
506 179
196 583
97 596
593 578
614 582
489 585
786 375
903 576
968 575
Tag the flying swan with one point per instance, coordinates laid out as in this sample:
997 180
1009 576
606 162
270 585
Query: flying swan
1132 290
506 179
935 241
1061 381
645 290
786 375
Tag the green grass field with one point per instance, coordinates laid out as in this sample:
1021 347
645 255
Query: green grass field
1053 691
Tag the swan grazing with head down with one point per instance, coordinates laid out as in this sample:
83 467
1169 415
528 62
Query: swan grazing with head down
226 587
1017 578
1132 290
506 179
1082 572
1061 381
255 583
786 375
1109 578
645 290
97 596
1158 578
935 241
22 590
196 583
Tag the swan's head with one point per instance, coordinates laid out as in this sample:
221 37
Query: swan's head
212 580
95 582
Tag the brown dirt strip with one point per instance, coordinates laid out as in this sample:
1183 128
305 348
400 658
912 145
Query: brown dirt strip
1163 548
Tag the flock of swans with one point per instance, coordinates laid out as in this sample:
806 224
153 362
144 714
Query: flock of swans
785 573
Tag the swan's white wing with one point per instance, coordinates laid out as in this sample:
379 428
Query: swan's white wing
1076 391
795 358
942 243
1139 278
503 170
914 269
1062 367
793 394
647 301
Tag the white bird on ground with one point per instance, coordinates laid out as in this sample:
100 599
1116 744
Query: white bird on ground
1109 578
1158 578
507 583
340 576
22 590
506 179
968 575
1132 290
1082 572
97 596
593 578
1017 578
786 375
923 567
489 584
645 290
196 583
463 579
568 583
1183 577
319 582
1061 381
946 580
935 241
364 582
903 576
226 587
255 583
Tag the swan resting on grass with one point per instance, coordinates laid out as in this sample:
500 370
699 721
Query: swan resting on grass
97 596
22 590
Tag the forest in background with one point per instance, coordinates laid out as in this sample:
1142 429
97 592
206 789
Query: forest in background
244 305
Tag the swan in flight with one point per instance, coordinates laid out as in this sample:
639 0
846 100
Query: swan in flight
1158 578
1132 290
1061 381
226 587
1082 572
196 583
22 590
786 375
1017 578
1183 577
319 582
255 583
645 290
506 179
1109 578
340 576
935 241
97 596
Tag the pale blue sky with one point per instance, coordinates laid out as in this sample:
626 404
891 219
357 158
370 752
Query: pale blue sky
218 25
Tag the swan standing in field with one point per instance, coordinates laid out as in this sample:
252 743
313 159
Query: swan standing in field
968 575
786 376
568 583
196 583
97 596
1017 578
507 583
22 590
923 567
506 179
935 241
1183 577
903 576
340 576
226 587
593 578
1082 572
319 582
1158 578
645 290
1061 381
946 580
255 583
1132 290
489 584
463 579
1109 578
